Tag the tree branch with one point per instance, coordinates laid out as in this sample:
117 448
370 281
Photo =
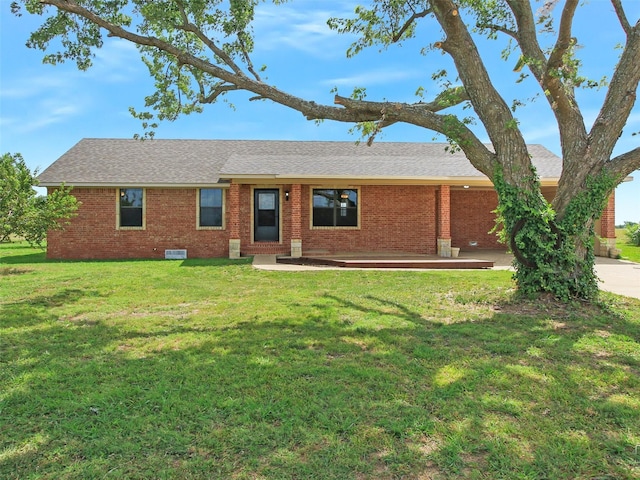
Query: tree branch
216 92
621 96
624 164
565 40
247 59
617 6
187 26
364 111
527 38
493 111
560 98
409 22
498 28
418 114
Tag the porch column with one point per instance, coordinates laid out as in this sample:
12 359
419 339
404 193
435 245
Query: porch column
444 221
608 229
234 220
296 220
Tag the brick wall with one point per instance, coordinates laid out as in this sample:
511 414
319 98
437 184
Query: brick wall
170 224
392 218
472 219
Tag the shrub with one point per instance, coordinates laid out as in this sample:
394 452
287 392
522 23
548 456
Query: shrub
633 233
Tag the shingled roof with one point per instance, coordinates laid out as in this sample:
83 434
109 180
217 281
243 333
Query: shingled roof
175 163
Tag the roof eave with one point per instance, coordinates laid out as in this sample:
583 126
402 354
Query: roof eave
306 179
219 184
379 179
372 179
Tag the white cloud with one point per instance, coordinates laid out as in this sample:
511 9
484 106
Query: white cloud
62 93
23 88
303 29
541 133
372 77
118 61
46 113
31 103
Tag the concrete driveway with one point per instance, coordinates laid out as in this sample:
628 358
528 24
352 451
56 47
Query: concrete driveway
616 276
619 276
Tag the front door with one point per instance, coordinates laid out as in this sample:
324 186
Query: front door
266 215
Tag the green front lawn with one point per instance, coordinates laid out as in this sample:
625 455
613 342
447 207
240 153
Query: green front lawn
211 369
628 251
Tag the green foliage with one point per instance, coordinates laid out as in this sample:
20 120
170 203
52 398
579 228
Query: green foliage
22 212
557 254
512 124
365 130
632 230
179 89
381 24
534 272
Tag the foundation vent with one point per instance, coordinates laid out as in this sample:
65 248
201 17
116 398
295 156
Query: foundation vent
175 254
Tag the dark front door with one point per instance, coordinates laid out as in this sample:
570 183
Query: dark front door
265 214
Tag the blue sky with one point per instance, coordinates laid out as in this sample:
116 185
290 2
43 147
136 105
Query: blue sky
45 110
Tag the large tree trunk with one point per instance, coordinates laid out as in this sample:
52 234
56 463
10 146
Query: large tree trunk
553 246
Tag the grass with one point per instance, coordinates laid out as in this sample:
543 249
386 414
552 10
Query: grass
212 369
628 251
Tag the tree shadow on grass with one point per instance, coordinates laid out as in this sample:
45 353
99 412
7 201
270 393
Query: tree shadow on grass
215 262
27 259
504 395
6 271
35 309
40 257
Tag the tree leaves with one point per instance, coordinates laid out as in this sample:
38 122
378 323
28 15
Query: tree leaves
22 212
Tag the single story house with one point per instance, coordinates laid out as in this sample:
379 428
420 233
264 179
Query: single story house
232 198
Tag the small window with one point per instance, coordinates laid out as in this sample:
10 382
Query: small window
131 207
335 208
210 207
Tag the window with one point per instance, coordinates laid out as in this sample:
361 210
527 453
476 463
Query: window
210 207
335 208
131 207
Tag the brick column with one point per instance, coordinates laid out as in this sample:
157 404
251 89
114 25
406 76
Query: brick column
608 220
234 220
296 220
444 221
607 240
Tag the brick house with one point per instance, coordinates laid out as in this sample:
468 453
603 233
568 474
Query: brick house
231 198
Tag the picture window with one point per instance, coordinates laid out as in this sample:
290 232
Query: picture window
335 207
